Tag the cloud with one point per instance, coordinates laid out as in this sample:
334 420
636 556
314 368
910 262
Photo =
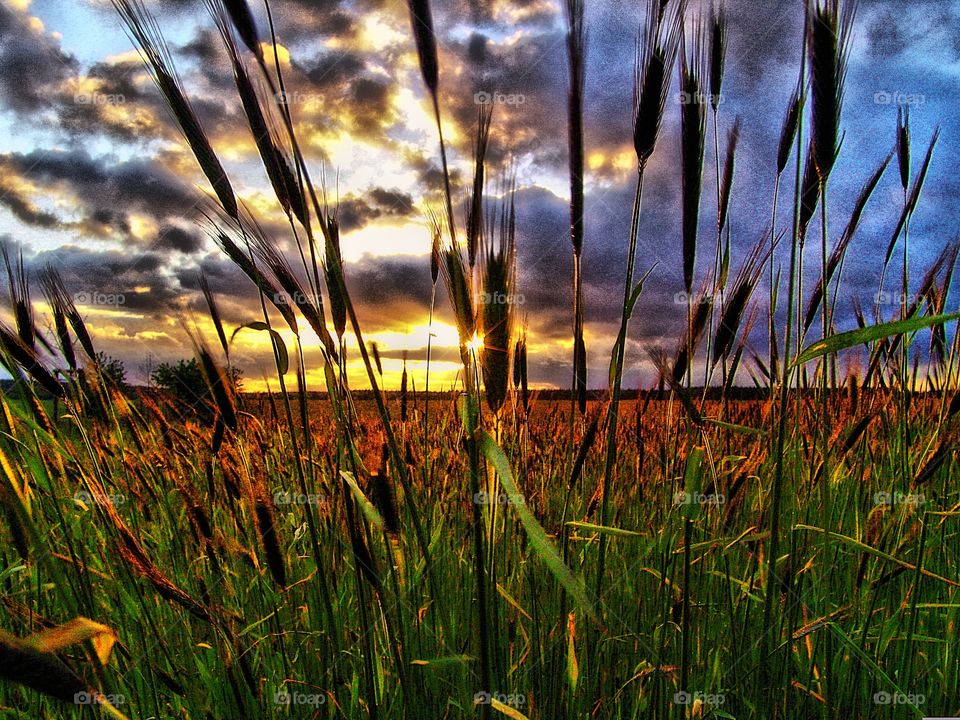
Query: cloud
96 154
106 194
354 212
32 64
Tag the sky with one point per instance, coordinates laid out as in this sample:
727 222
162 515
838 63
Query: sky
96 181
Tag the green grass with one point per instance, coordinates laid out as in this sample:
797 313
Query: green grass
850 633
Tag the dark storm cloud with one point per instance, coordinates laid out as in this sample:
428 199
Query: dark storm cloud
545 262
354 212
525 81
305 20
205 46
31 66
333 68
106 191
236 296
182 240
14 197
120 280
395 288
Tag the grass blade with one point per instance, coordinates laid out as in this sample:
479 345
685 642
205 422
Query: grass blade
861 336
538 536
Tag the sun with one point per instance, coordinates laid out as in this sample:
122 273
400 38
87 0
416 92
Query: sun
475 344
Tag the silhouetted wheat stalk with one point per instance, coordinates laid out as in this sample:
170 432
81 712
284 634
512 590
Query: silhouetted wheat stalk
788 133
576 53
693 115
828 45
655 58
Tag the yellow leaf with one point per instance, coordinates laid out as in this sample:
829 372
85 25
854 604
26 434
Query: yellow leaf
507 710
74 632
573 667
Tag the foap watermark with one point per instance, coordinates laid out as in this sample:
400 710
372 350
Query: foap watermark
689 698
682 298
883 497
296 98
94 297
883 697
485 498
891 298
701 98
500 298
92 697
682 497
99 99
514 700
498 98
285 497
285 697
115 499
297 298
898 97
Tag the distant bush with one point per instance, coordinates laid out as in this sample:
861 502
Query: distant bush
185 381
112 369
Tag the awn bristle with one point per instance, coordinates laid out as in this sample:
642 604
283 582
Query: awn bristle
55 293
659 359
726 186
829 38
926 292
655 59
242 260
688 347
136 557
310 305
275 161
496 307
734 309
475 215
938 333
244 23
19 288
718 53
693 122
23 356
146 33
422 21
836 257
788 131
459 290
914 196
903 145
